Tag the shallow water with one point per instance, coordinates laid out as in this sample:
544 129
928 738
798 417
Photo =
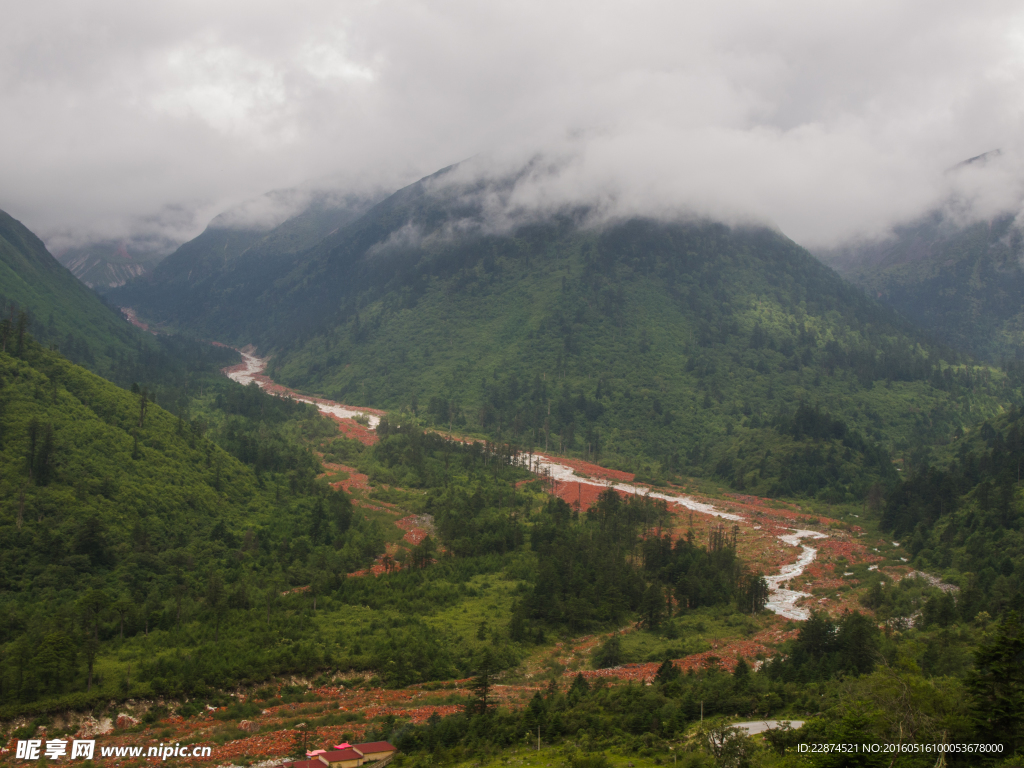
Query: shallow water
781 600
784 601
255 366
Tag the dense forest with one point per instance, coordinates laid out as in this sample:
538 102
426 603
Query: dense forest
726 364
611 563
966 518
121 519
187 539
163 564
673 349
960 280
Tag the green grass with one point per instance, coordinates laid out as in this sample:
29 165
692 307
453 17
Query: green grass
490 603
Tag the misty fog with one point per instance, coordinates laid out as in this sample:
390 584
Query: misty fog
829 121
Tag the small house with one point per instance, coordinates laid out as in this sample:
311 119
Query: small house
341 758
374 750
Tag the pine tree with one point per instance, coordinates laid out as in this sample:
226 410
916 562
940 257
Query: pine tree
667 672
997 683
580 686
481 686
299 746
20 332
652 607
742 672
756 593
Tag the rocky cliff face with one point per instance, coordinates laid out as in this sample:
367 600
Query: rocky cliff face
109 264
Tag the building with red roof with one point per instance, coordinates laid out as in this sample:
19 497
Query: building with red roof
342 758
374 750
314 763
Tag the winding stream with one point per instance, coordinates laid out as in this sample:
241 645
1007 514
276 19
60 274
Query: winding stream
784 601
254 367
781 600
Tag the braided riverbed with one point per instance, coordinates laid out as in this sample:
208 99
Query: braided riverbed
781 600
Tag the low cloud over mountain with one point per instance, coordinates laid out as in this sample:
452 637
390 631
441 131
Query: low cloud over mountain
133 121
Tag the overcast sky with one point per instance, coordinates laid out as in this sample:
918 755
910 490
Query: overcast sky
828 119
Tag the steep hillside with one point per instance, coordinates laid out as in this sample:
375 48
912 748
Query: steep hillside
40 297
61 311
116 517
208 281
687 347
709 350
964 284
966 518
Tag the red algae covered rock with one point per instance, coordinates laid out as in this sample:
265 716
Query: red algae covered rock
126 721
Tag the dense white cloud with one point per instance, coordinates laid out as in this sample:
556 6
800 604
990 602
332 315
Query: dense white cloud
828 119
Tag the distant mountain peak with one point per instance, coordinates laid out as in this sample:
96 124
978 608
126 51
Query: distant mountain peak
978 160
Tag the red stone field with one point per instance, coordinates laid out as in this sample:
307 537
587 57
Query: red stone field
757 534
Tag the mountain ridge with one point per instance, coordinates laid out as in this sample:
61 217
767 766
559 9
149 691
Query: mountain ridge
59 308
107 264
687 346
962 282
227 260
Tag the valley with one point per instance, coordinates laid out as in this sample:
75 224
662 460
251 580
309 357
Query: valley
625 486
475 385
262 723
760 522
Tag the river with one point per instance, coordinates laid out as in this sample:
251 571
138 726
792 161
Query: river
781 600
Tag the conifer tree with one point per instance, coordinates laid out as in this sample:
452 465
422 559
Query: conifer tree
481 686
997 683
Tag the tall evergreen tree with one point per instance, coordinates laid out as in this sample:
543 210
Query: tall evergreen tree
481 686
997 683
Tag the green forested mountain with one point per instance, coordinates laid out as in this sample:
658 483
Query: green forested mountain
59 310
687 347
965 515
963 283
118 519
175 553
702 349
41 298
143 553
208 284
